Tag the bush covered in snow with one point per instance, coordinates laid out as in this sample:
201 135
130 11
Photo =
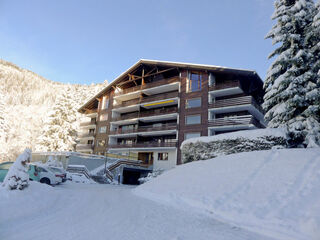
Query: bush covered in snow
150 176
18 176
204 148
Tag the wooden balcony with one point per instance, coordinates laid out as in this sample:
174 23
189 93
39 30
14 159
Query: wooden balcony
144 145
158 97
230 102
127 103
88 123
148 85
146 129
149 113
224 85
84 147
156 112
232 121
152 98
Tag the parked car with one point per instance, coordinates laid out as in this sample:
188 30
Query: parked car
59 172
47 175
32 170
33 173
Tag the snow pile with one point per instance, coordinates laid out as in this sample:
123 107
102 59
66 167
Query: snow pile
54 162
150 176
79 178
18 176
273 192
203 148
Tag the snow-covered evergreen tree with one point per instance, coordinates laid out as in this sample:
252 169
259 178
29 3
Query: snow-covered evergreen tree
313 88
60 129
290 75
4 127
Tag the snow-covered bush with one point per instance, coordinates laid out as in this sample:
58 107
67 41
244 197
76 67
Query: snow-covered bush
204 148
18 176
54 162
150 176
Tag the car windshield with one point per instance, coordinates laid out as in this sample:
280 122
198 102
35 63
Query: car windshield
57 170
6 166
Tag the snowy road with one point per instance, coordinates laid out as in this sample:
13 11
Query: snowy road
80 211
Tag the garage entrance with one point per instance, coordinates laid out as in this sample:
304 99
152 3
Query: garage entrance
130 175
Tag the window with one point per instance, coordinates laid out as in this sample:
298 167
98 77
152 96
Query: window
194 82
104 117
193 119
90 142
103 130
163 156
101 143
193 103
212 79
191 135
105 103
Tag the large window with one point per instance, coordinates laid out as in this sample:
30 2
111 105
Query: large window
193 103
104 117
101 143
103 130
194 82
105 103
163 156
191 135
193 119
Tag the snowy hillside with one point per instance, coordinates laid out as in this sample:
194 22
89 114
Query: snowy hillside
273 192
26 100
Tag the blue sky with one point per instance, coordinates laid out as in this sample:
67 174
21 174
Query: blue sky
88 41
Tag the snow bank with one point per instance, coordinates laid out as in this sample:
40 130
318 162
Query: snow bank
247 134
273 192
203 148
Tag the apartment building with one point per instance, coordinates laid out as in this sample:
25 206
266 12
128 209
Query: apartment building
151 108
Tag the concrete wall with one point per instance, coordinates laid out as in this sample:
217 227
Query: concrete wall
165 165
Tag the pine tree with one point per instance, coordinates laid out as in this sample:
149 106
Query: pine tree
290 74
60 129
313 88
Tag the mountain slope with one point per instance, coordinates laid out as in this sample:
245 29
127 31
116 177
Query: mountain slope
28 98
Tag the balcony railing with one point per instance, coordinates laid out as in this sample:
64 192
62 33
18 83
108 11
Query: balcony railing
235 102
144 145
84 147
147 99
156 112
229 121
149 113
224 85
89 123
146 129
127 103
160 97
148 85
86 135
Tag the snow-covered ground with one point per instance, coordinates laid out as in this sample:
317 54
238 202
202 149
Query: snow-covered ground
273 192
94 211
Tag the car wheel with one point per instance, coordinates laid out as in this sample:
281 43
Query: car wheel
45 180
